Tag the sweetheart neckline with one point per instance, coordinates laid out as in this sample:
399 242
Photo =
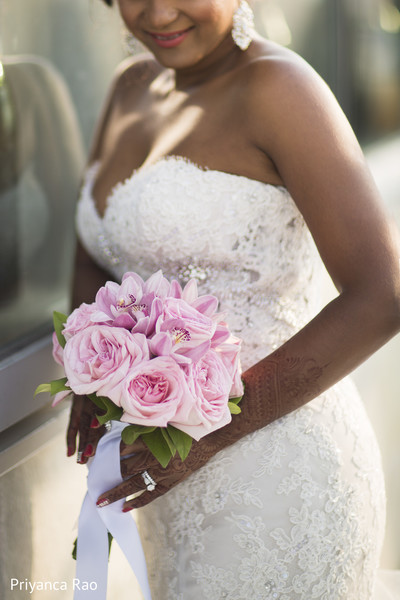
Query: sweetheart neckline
92 169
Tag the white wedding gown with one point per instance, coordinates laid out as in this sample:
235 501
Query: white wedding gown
294 511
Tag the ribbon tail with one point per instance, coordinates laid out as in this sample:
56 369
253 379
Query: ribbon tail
124 531
94 524
91 555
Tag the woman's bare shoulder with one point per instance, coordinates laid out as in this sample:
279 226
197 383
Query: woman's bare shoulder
285 94
131 80
273 69
136 73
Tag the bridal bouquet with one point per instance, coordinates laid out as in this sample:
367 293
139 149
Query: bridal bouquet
152 355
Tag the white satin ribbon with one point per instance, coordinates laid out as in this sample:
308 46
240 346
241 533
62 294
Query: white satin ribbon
94 523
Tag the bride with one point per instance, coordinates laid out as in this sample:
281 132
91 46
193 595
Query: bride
224 157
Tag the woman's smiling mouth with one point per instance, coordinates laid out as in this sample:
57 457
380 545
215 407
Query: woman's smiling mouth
171 39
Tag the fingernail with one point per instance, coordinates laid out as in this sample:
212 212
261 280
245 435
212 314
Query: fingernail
70 451
127 509
79 457
95 423
102 502
88 450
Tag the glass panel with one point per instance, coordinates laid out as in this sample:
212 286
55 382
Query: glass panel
57 59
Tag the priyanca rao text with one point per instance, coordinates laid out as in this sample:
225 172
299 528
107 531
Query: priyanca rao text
51 586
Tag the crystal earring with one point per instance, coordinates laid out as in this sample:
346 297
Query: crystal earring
243 25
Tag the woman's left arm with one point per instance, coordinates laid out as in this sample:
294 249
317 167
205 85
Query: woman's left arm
297 123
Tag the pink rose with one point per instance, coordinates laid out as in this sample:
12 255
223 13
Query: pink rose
99 357
210 383
58 352
79 319
155 393
229 353
59 397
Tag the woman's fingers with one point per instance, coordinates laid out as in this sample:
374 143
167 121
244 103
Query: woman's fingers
124 489
134 484
83 422
131 487
150 483
85 447
145 498
163 483
93 437
138 446
73 425
137 463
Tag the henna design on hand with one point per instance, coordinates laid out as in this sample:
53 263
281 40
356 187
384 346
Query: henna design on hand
274 387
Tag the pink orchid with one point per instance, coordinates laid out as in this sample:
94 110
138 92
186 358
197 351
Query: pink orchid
134 304
187 326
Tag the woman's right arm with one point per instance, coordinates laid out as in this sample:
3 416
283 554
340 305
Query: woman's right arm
83 432
132 74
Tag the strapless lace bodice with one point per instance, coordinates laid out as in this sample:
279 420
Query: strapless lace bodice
243 240
294 511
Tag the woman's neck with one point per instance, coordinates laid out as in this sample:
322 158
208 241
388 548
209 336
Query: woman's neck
221 60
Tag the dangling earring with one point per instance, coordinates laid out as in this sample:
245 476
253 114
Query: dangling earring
243 25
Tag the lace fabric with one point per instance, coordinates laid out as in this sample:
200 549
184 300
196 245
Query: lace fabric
295 510
243 240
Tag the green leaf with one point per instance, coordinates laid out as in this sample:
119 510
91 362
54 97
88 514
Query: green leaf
75 546
110 539
168 439
113 412
98 401
131 433
43 387
129 436
55 386
158 446
234 408
183 441
235 400
58 385
59 320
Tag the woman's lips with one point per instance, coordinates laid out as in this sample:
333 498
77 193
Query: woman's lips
171 39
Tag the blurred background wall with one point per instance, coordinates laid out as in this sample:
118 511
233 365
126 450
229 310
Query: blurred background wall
56 61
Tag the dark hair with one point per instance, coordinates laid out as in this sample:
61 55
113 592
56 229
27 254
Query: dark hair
109 2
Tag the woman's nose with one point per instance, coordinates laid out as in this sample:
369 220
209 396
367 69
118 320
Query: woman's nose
161 13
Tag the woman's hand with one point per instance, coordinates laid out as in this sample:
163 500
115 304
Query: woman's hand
137 459
83 421
132 469
274 387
